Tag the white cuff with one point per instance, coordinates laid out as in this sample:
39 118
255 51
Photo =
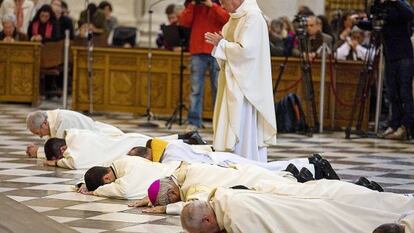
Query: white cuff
219 51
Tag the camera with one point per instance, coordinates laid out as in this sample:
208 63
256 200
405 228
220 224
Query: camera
300 24
378 15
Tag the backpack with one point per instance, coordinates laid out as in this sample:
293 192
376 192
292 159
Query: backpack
290 117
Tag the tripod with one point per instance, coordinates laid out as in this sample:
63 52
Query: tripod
366 79
148 113
179 109
306 69
90 57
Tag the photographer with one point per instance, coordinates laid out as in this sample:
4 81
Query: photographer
398 52
315 37
201 16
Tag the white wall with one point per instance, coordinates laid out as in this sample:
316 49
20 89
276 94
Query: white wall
276 8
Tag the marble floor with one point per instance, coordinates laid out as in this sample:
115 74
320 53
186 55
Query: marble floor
50 191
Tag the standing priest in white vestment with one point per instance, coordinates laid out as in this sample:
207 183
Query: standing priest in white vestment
244 117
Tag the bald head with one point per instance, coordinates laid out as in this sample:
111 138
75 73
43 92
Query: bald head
198 216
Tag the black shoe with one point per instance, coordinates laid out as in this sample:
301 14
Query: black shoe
327 170
362 181
315 158
196 139
186 135
305 175
375 186
390 227
293 169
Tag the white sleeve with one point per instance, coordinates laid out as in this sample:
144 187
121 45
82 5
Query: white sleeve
343 51
175 208
112 190
67 163
361 52
219 51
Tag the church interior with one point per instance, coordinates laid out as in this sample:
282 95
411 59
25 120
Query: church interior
137 72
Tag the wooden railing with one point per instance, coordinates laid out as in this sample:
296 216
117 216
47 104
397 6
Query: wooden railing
120 83
19 72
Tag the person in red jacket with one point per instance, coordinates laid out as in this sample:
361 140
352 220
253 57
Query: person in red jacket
201 16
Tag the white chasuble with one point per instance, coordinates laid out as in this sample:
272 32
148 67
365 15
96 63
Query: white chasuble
133 177
87 148
244 117
246 211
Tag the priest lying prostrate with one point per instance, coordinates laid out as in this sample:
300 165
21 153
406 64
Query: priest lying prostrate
85 148
158 150
244 119
126 178
247 211
53 124
197 180
131 179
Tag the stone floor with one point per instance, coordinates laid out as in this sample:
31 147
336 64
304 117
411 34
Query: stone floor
49 191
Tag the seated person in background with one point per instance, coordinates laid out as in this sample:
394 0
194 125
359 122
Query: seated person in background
316 38
9 33
281 43
172 11
64 22
22 9
44 26
352 49
97 24
346 23
65 9
111 21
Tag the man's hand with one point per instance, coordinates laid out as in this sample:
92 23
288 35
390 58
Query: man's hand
354 44
50 163
139 203
31 150
155 210
213 38
8 39
84 190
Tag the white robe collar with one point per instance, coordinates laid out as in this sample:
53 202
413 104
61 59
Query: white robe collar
244 8
52 120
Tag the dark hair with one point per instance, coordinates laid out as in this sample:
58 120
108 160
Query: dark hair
45 8
52 148
344 17
326 27
148 144
104 4
170 9
94 177
141 151
305 11
64 5
92 8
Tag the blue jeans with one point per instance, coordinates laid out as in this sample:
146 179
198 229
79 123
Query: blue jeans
199 64
399 80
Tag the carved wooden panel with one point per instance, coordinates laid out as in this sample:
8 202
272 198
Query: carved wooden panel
121 83
122 86
21 54
98 87
3 77
158 90
21 79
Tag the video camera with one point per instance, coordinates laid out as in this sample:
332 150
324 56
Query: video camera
377 15
300 24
